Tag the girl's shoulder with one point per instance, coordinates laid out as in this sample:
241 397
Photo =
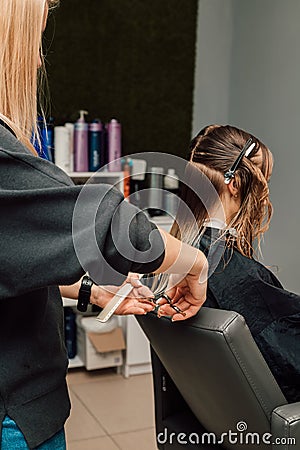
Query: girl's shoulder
257 268
229 262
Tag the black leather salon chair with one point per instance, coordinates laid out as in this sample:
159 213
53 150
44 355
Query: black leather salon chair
210 378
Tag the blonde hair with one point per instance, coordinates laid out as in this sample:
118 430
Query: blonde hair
21 27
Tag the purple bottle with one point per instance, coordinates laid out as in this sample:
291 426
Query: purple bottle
81 144
114 134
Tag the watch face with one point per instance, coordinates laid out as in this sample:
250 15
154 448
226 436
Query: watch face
87 281
84 293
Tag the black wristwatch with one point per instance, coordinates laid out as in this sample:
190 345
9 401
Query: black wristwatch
84 293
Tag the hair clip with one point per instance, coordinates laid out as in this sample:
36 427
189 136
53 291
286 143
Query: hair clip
232 232
247 149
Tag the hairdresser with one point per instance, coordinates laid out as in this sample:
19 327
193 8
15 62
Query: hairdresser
37 204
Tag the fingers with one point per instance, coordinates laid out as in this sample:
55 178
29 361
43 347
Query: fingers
185 302
190 312
134 307
133 310
175 294
142 292
134 279
167 310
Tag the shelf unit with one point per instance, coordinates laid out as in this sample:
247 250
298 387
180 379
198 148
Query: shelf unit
137 357
114 178
117 180
75 362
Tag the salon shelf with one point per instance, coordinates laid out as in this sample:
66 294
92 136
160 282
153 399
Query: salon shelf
137 359
114 178
96 174
75 362
69 302
165 221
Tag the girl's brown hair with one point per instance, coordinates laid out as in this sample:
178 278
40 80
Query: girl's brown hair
213 151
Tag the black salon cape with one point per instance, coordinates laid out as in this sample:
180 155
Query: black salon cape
272 314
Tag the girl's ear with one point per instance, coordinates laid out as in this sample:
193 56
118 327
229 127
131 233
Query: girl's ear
233 188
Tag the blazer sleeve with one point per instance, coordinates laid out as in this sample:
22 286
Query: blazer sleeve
52 232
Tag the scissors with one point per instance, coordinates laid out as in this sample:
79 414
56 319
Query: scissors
120 296
162 294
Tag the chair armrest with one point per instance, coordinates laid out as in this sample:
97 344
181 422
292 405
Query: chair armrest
285 427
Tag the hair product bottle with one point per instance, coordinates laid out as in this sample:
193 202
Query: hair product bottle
41 144
156 190
126 167
70 331
81 160
95 145
70 127
62 148
50 138
171 185
114 136
104 153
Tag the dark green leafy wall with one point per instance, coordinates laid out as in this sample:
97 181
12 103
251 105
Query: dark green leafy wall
128 59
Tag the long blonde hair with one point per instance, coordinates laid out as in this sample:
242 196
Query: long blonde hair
21 27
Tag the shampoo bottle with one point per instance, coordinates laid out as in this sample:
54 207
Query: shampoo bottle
114 145
62 148
95 145
81 160
126 167
70 331
50 138
70 127
155 192
41 142
171 200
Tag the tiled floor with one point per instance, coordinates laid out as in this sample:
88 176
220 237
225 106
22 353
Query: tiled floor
110 412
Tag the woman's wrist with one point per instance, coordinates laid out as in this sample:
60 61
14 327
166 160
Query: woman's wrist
101 295
182 258
97 293
200 266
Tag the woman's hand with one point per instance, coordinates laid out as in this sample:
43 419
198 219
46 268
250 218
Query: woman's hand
189 292
188 295
138 301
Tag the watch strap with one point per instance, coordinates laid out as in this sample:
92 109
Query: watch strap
84 295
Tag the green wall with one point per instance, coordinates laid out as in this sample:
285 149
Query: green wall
128 59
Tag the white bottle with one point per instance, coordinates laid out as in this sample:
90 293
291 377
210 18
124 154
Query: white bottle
62 148
70 127
171 180
171 186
